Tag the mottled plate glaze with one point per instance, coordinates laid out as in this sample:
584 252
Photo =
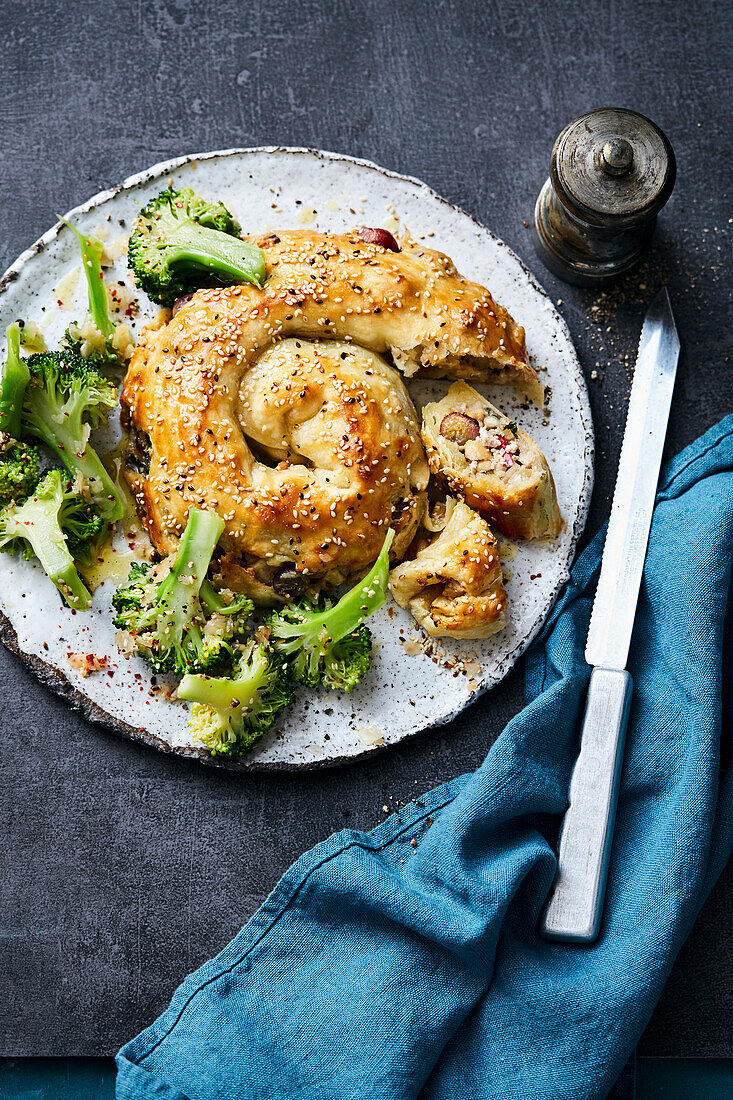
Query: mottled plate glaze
404 692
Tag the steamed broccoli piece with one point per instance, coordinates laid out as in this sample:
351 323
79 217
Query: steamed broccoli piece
103 353
178 237
91 259
65 398
349 660
19 463
14 377
178 622
328 644
19 467
230 714
38 529
82 525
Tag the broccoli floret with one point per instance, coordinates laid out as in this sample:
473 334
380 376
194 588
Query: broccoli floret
98 349
19 463
328 644
37 528
179 236
13 381
230 714
349 660
82 525
65 398
19 466
177 621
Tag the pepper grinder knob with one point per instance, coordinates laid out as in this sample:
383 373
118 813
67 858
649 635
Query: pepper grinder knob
611 172
617 156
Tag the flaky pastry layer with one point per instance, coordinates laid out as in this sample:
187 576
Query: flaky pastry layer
454 585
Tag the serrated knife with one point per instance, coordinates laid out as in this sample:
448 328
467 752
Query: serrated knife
575 905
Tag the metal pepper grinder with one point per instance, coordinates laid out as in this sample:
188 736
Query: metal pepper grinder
611 172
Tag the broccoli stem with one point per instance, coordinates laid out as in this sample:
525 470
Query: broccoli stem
352 609
58 563
13 381
179 592
37 523
362 600
221 693
63 441
91 255
217 252
212 601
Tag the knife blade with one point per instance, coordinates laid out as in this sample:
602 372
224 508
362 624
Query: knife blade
614 608
574 909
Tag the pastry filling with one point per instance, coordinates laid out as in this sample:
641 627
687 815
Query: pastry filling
489 445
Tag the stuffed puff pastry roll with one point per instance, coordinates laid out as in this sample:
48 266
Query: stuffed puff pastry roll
277 408
454 584
480 454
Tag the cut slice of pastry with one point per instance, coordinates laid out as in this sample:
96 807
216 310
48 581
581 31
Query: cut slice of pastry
479 453
454 585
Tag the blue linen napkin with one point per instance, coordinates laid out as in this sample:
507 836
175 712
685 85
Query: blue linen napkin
406 962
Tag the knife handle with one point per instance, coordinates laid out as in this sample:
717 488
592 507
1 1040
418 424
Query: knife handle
575 906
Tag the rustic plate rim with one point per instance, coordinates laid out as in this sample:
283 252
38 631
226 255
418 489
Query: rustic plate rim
58 682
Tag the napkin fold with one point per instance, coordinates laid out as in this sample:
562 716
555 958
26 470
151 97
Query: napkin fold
406 962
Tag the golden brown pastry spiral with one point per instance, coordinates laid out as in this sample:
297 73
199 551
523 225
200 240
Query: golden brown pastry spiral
275 408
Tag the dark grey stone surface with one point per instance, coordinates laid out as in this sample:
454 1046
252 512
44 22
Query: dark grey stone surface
123 869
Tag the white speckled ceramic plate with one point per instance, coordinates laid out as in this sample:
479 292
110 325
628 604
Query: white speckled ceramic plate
404 692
